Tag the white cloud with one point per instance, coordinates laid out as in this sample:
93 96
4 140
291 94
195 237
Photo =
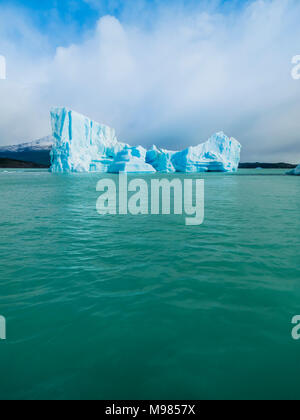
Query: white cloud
174 83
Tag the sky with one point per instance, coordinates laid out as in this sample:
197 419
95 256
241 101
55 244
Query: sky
167 72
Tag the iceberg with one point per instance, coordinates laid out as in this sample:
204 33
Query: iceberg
83 145
219 154
295 171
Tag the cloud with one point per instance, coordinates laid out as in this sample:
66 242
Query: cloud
172 80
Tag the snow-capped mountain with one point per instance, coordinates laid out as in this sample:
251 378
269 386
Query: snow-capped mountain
40 144
37 151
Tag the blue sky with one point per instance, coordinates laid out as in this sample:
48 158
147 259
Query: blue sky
169 72
83 11
79 15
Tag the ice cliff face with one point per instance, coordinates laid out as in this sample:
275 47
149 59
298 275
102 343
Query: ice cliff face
295 171
82 145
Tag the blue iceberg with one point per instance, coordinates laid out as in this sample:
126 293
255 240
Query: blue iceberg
219 154
295 171
82 145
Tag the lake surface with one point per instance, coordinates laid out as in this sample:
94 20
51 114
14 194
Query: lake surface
144 307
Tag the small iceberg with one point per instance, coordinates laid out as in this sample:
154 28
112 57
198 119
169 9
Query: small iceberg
219 154
295 171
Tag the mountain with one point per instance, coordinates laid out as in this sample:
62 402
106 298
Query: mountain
37 151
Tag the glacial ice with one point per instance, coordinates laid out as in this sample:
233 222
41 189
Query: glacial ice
219 154
131 159
160 159
295 171
82 145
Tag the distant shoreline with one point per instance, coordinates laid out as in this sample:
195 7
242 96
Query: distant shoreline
255 165
6 163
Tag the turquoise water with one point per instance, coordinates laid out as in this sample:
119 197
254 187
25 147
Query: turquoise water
124 307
